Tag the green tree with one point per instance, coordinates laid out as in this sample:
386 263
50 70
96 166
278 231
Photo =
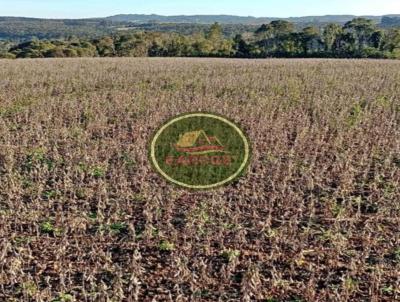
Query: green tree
242 48
376 39
330 35
32 49
310 40
391 43
281 27
362 29
216 45
357 38
215 32
262 29
276 38
85 49
201 46
56 52
105 47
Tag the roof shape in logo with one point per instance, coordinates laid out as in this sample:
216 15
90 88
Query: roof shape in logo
196 142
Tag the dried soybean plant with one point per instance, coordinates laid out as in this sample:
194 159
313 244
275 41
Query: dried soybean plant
83 217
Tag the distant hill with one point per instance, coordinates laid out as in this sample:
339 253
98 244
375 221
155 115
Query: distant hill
228 19
22 29
17 28
390 21
204 19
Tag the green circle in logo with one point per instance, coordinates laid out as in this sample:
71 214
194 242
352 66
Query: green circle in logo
200 151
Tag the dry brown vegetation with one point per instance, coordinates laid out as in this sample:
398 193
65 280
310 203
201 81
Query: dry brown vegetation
84 218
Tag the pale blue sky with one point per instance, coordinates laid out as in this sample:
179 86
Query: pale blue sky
258 8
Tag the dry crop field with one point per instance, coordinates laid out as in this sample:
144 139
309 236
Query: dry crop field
83 217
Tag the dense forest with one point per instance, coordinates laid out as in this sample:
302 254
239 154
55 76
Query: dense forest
358 38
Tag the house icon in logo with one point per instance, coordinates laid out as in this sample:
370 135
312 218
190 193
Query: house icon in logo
198 142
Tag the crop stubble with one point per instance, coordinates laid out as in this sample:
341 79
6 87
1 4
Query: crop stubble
83 216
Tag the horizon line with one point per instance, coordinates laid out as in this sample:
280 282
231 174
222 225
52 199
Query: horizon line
192 15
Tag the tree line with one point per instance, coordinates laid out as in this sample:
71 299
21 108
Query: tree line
359 38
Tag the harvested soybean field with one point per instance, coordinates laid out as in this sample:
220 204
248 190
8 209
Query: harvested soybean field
84 217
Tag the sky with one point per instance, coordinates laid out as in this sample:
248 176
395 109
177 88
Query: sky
257 8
